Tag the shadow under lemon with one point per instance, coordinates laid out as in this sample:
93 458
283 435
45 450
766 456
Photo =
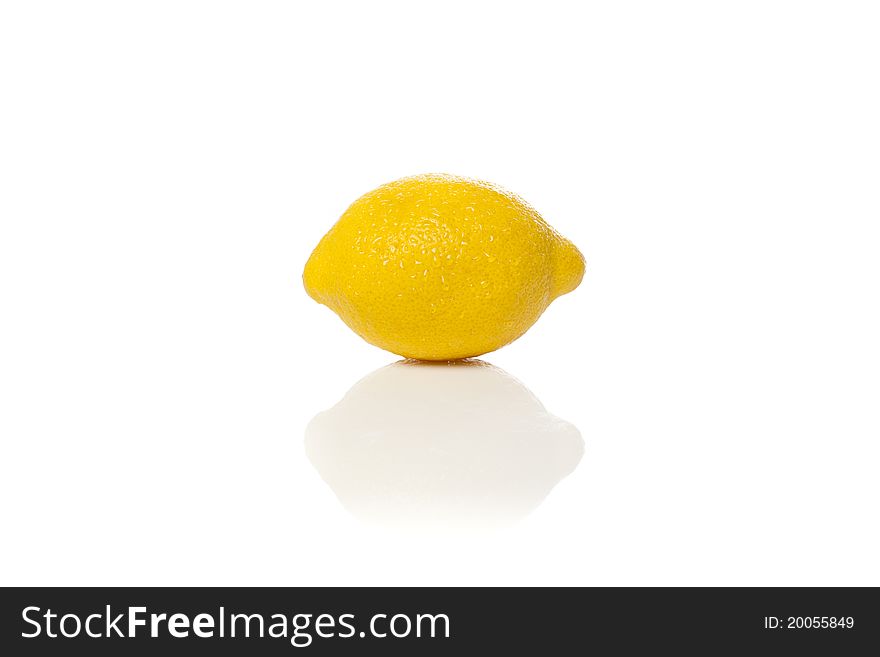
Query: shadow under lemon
441 445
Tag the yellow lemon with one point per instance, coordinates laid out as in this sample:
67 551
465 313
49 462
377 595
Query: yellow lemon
439 267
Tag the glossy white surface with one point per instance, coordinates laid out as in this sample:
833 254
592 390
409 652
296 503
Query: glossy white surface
435 446
166 168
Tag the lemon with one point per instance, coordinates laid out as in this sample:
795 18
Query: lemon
440 267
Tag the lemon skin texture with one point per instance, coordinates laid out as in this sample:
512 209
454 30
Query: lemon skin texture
440 267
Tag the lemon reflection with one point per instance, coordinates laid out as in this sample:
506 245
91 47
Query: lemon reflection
449 445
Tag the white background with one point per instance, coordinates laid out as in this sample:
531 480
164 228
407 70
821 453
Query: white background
167 167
